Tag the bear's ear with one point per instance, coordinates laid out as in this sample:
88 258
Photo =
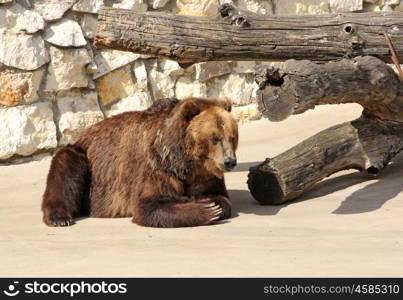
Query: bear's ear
226 103
190 109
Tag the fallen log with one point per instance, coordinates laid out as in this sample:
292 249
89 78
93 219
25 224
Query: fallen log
239 35
366 144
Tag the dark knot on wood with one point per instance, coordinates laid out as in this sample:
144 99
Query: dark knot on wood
240 21
227 11
357 43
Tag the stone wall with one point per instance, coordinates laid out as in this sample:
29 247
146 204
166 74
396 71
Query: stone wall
54 84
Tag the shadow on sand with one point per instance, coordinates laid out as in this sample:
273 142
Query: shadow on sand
369 198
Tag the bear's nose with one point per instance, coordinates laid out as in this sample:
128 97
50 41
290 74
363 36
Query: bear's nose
229 163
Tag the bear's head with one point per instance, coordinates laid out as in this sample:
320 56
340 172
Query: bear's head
199 133
212 135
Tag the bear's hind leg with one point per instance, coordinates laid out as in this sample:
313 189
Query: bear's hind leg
66 187
176 214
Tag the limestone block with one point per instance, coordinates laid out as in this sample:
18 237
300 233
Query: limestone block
16 19
67 69
22 51
77 111
197 7
26 129
240 88
52 10
345 5
17 87
116 85
301 7
109 60
65 33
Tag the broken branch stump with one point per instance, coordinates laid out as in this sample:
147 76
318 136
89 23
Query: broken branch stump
366 144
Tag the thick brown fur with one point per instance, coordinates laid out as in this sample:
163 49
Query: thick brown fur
163 167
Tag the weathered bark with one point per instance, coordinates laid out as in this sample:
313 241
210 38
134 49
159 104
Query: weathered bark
240 35
366 144
300 85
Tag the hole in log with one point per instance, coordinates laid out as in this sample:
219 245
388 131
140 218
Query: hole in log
275 79
349 28
373 170
269 76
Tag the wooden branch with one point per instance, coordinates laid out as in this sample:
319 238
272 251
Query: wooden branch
367 144
240 35
300 85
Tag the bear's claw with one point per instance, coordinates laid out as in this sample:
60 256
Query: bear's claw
214 212
58 221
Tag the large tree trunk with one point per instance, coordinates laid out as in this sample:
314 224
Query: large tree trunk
366 144
240 35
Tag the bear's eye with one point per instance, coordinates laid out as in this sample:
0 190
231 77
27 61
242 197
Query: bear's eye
215 139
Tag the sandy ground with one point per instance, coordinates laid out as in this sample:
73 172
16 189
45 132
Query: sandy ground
348 225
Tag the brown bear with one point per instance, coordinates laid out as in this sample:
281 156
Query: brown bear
163 166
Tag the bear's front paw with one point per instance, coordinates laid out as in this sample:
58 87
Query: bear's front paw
57 218
212 212
209 210
224 204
